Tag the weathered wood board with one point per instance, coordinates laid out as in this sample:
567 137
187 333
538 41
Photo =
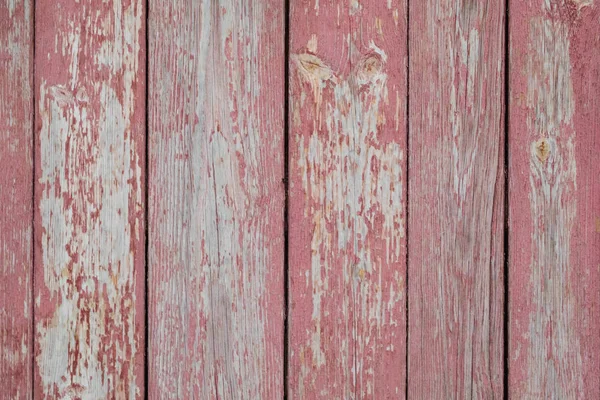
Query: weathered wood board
16 191
89 199
216 199
397 199
554 200
347 199
456 199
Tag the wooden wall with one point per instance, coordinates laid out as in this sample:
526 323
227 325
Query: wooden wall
303 199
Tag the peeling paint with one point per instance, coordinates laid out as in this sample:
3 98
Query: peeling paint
16 173
552 183
355 193
347 206
216 200
89 193
554 290
456 187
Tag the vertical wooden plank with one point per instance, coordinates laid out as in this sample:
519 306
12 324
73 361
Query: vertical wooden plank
89 217
456 200
16 189
216 247
347 199
554 200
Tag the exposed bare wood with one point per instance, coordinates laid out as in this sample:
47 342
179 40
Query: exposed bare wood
456 187
89 263
554 200
216 199
16 189
347 199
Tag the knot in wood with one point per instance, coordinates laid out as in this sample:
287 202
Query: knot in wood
542 149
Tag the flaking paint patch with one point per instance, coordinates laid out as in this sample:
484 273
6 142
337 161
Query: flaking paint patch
554 359
456 195
554 292
216 201
354 190
16 173
90 206
339 269
88 266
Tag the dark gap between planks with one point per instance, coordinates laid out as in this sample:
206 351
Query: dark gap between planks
506 192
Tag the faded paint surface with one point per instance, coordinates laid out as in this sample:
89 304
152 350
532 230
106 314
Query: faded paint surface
456 188
554 200
89 272
347 200
216 199
216 217
16 177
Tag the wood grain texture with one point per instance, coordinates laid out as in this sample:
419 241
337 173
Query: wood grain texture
216 103
347 199
456 202
16 190
89 217
554 200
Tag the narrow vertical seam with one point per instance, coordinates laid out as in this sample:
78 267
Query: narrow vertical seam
286 182
506 195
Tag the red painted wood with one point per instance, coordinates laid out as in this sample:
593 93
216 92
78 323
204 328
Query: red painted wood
216 245
16 177
89 215
347 200
554 200
456 201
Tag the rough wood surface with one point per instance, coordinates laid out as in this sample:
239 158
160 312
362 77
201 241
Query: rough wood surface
16 189
554 200
456 189
89 216
216 104
347 199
